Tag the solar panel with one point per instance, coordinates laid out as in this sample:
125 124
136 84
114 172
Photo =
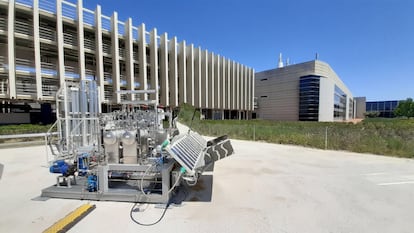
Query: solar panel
188 150
193 152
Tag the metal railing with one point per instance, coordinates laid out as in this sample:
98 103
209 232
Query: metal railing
25 86
48 69
70 38
108 92
23 28
49 88
71 72
106 47
25 65
121 28
135 33
69 10
4 83
2 62
90 74
108 77
106 23
3 24
47 33
28 3
88 17
89 43
47 6
29 135
122 52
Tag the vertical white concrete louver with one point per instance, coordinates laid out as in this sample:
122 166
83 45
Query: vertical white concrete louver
117 54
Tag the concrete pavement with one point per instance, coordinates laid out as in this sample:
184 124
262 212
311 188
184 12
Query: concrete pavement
262 188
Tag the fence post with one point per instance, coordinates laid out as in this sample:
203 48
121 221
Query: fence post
254 132
326 138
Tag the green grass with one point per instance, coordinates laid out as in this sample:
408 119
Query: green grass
394 137
23 129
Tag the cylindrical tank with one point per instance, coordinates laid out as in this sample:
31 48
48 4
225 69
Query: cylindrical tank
129 143
111 143
128 137
110 138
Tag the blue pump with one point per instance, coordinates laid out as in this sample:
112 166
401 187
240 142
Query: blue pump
59 166
92 183
83 164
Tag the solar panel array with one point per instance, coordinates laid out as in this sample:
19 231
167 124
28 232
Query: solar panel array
188 150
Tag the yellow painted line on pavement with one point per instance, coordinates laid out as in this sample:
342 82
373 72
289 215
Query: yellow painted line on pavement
64 224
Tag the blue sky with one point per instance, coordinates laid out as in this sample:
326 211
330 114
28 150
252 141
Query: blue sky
369 43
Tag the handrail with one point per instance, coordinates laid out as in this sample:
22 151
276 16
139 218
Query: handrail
50 129
28 135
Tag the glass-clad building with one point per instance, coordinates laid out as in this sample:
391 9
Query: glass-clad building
384 108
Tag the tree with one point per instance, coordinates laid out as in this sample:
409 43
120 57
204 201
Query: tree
405 108
372 114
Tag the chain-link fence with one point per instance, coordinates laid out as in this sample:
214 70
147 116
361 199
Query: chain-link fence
378 138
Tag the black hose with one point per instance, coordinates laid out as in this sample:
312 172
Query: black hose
147 224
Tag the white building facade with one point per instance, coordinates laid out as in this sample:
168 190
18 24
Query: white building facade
44 43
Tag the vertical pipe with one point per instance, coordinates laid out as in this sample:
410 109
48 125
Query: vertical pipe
73 112
83 110
91 109
65 114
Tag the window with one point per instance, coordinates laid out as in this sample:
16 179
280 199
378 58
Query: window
339 104
309 98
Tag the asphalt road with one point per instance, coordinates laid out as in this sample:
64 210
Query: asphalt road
262 188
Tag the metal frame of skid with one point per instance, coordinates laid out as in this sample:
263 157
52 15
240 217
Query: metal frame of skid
126 155
105 193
